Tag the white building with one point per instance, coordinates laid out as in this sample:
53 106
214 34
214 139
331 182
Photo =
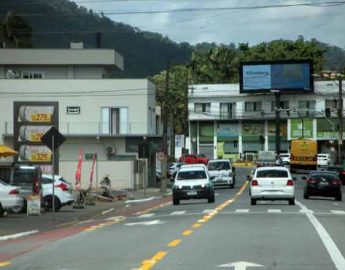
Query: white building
225 123
96 113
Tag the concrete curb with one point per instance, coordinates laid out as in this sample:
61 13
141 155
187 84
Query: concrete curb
17 235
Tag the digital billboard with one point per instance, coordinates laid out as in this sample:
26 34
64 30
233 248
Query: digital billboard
286 75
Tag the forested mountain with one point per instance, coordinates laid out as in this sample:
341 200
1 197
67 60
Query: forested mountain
55 23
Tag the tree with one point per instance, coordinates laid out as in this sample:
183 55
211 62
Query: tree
15 32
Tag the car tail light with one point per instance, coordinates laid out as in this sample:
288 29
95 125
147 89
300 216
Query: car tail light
63 186
35 189
14 192
289 182
255 183
311 181
335 182
342 172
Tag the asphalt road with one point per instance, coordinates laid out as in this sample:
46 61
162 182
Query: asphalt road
227 234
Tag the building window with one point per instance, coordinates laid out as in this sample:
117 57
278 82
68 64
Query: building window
253 106
73 110
114 121
226 110
32 75
202 107
307 106
332 103
282 105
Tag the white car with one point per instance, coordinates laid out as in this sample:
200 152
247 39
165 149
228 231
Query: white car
10 198
221 172
284 158
192 182
62 191
272 183
323 160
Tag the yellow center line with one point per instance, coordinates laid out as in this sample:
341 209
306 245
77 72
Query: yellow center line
6 263
196 225
159 256
187 232
174 243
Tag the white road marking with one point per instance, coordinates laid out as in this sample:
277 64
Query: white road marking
274 210
333 251
240 265
306 211
116 218
338 212
146 223
86 221
336 203
17 235
108 211
146 215
178 213
241 210
207 211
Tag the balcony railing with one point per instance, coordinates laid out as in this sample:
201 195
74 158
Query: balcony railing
93 128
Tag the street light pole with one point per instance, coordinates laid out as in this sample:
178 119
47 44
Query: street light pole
340 114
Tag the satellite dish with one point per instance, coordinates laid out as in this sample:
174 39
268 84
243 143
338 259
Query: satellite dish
10 74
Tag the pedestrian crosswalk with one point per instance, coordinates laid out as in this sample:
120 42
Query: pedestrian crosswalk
246 211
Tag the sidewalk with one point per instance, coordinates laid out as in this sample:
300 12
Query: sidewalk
21 224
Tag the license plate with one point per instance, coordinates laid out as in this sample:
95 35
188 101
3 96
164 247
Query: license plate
323 183
191 193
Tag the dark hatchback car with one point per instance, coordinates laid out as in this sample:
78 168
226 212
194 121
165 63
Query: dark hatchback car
340 170
323 184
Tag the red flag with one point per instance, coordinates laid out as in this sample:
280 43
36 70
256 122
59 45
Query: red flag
78 172
92 168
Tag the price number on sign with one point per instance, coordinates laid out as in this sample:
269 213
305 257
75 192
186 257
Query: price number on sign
40 157
41 117
36 137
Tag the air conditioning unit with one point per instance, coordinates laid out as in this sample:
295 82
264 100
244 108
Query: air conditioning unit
111 150
12 74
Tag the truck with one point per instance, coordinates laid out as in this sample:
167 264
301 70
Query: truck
266 158
303 155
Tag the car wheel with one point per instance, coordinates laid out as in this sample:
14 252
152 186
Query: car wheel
48 203
1 211
211 198
253 201
339 197
292 201
176 201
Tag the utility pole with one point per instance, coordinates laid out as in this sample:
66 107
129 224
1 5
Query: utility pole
165 135
340 114
277 120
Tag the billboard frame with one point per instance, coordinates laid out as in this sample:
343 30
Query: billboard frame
277 62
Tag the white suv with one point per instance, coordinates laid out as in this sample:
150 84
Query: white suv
62 192
193 182
221 172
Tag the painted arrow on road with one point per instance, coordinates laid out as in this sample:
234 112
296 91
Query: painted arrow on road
240 265
147 223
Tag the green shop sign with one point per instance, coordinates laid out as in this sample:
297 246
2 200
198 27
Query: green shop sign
301 128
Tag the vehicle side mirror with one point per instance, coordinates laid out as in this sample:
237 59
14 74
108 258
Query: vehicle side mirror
294 178
233 169
248 177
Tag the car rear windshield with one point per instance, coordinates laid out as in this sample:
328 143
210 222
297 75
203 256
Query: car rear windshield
23 176
191 175
222 165
272 173
324 177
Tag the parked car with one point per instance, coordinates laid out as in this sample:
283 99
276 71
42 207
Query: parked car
340 171
62 191
272 183
193 182
174 168
221 172
324 160
266 158
27 177
10 200
324 184
193 159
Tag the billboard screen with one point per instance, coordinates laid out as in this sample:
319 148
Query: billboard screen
288 75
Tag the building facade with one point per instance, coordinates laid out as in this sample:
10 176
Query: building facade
226 124
96 113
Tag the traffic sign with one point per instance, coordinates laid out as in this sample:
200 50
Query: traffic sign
53 136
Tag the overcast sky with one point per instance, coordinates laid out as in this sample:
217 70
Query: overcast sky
220 21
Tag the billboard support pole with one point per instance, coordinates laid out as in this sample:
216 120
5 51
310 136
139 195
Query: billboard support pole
277 120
